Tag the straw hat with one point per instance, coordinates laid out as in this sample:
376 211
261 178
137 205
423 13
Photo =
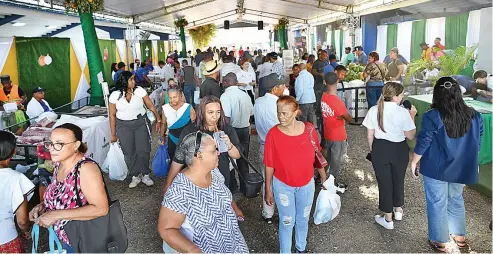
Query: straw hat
211 67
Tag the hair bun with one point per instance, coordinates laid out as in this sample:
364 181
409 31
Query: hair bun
82 147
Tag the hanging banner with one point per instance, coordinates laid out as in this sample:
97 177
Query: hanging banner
108 53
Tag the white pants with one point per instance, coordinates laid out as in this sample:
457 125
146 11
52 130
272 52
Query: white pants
267 211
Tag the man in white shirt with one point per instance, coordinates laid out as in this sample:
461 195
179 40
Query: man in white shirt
276 64
229 66
265 114
305 95
165 73
237 109
37 105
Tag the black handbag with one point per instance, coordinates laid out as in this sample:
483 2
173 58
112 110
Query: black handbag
253 181
106 234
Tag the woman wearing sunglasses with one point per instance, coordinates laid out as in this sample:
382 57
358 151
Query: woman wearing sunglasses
60 201
196 214
448 147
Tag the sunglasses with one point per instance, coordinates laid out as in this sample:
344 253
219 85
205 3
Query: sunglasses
198 138
56 146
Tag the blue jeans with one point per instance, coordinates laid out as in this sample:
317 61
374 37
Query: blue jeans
188 91
68 248
445 209
294 205
261 89
373 92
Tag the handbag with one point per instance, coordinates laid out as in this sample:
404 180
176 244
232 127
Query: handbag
52 240
106 234
320 161
253 181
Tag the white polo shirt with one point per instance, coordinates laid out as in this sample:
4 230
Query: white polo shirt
129 110
237 105
396 120
246 77
265 113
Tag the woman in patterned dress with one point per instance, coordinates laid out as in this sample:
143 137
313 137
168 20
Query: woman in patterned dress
199 198
60 206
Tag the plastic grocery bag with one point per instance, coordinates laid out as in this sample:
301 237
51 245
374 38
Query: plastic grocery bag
114 164
328 202
161 161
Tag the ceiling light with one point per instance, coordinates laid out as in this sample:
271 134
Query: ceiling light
50 26
18 24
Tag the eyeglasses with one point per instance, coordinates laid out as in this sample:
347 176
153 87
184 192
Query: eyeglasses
56 146
198 138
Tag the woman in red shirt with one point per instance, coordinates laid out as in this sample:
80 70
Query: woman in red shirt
289 158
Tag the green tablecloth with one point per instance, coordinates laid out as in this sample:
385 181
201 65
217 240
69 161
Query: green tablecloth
423 102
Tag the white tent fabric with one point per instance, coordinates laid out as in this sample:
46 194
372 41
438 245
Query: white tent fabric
80 52
338 42
348 41
329 38
81 92
136 51
435 28
358 37
403 39
382 40
120 45
154 48
484 59
4 51
473 28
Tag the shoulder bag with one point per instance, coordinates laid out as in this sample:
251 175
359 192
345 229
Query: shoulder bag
106 234
320 161
253 181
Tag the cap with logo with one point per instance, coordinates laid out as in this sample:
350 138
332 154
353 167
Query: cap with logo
38 89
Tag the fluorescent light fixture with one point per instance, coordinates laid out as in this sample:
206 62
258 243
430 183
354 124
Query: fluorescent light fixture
18 24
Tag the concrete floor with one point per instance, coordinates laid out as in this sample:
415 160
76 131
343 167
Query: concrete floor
354 230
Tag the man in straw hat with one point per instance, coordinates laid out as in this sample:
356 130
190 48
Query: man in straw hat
210 86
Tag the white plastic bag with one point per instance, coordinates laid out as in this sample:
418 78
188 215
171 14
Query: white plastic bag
114 163
328 203
196 96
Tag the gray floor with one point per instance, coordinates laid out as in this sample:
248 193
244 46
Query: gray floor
353 230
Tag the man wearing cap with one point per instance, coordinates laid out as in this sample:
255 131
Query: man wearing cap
361 57
277 67
426 55
332 64
11 93
395 67
37 105
265 114
237 109
305 95
121 68
210 86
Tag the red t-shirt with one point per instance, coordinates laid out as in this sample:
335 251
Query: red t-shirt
292 157
333 107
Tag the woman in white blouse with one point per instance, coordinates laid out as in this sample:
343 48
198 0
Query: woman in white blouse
389 124
130 125
264 69
15 192
246 79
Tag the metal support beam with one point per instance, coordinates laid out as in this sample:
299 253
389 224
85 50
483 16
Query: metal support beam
195 22
259 13
168 10
319 4
212 20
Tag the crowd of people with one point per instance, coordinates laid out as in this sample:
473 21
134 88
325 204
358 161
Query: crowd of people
295 116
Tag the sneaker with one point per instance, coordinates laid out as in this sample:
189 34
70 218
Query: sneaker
301 251
398 215
147 180
135 181
380 219
267 220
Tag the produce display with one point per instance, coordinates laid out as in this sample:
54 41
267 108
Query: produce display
354 72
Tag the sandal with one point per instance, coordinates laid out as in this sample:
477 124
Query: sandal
438 247
461 244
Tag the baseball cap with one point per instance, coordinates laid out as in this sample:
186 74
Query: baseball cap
38 89
273 55
423 44
272 80
5 78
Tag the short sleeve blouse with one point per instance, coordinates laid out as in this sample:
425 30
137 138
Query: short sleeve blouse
129 110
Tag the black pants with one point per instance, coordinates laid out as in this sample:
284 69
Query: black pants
390 161
244 137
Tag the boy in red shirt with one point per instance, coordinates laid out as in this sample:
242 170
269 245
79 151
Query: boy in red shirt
334 113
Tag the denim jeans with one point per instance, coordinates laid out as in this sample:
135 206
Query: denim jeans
294 205
188 91
373 92
267 211
445 209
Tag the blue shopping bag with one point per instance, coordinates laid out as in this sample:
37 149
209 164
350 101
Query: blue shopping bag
161 161
53 239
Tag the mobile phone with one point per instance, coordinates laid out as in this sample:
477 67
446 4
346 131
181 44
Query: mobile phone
416 172
222 147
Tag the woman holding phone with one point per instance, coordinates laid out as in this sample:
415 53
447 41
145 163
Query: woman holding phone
210 120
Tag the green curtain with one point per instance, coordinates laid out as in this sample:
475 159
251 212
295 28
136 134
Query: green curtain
144 54
93 57
108 54
456 30
35 69
341 43
333 39
418 35
391 37
161 52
